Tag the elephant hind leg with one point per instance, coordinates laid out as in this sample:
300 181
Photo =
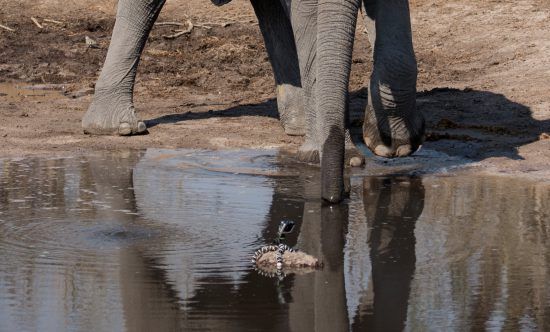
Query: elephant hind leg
393 127
281 48
112 110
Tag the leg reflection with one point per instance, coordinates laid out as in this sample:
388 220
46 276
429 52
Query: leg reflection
392 206
148 302
320 297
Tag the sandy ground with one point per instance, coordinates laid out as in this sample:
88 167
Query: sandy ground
484 77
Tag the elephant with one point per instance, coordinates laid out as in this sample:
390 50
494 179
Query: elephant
309 44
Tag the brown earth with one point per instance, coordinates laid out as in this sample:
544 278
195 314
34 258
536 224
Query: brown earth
484 69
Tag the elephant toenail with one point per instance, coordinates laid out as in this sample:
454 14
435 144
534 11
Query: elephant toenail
356 161
383 151
404 150
141 128
124 129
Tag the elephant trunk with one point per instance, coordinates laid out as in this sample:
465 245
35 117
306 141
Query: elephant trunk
336 31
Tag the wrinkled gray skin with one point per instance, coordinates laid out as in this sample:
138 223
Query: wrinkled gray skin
393 127
310 44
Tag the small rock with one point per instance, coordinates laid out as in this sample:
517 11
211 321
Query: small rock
91 43
81 93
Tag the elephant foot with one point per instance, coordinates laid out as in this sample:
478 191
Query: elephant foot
291 110
108 116
388 135
308 153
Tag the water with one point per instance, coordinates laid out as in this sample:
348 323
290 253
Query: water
12 92
161 241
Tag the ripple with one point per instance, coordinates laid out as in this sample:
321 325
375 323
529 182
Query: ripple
57 240
112 238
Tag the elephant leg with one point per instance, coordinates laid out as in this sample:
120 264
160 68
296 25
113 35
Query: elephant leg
393 127
279 42
112 110
303 17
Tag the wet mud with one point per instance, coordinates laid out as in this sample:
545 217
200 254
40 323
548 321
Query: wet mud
14 93
162 240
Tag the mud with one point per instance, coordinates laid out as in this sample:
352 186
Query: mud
157 240
16 93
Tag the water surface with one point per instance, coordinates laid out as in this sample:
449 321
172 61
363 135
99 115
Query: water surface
161 240
13 92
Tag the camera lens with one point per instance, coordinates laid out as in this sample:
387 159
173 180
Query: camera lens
286 226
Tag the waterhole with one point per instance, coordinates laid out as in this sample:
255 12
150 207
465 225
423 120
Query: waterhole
161 241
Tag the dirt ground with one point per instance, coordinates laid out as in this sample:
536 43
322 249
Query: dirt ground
484 78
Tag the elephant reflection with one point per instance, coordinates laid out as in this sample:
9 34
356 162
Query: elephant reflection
460 266
159 283
392 206
165 291
168 288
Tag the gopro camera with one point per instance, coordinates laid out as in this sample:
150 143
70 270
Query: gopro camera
285 227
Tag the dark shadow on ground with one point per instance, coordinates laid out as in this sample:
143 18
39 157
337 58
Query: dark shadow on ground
468 124
465 123
267 108
477 124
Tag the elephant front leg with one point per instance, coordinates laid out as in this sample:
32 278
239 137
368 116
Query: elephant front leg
303 17
281 48
393 127
112 110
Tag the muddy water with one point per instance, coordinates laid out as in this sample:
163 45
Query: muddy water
161 241
18 92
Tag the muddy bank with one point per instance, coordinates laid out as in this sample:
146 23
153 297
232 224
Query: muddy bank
482 86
